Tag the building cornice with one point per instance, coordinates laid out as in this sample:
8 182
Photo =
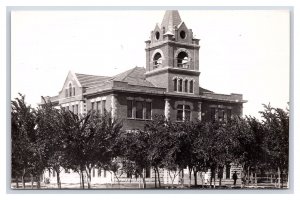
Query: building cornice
173 43
172 70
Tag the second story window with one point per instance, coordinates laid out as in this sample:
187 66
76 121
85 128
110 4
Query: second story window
175 84
186 86
180 85
191 86
70 90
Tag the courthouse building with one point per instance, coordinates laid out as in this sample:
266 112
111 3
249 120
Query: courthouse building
169 85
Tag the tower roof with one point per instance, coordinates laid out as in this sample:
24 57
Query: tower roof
171 19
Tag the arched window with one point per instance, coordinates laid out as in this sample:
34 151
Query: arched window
183 60
70 89
180 85
191 86
186 86
175 84
157 60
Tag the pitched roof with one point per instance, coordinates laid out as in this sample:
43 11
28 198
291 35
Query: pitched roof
134 76
90 80
171 19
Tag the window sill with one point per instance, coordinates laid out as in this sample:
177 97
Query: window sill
138 119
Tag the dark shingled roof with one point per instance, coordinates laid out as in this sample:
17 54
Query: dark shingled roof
134 76
91 80
202 90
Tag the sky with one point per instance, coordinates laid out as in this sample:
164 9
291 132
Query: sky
242 51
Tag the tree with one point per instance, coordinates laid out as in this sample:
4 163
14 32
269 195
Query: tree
23 137
51 138
276 144
135 148
91 141
158 139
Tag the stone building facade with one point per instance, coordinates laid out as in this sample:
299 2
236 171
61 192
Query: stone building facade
169 85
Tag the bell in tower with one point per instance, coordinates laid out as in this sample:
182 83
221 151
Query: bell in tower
172 55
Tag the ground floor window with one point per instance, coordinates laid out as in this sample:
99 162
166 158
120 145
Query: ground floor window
139 109
99 106
220 114
183 113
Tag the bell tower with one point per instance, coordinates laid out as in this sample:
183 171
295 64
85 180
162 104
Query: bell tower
172 56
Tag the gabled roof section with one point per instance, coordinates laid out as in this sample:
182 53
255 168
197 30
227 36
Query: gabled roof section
90 80
171 19
135 76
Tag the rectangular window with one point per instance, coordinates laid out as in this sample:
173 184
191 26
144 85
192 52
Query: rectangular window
76 109
221 115
53 173
73 108
67 108
139 109
228 114
73 91
93 104
148 110
93 170
129 108
66 92
179 113
99 107
187 112
213 114
104 173
103 106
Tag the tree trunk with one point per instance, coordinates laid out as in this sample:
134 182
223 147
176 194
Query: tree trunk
190 177
58 179
279 177
158 177
182 178
248 175
17 182
195 176
31 180
155 185
23 178
144 180
38 181
80 182
89 178
82 178
255 179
